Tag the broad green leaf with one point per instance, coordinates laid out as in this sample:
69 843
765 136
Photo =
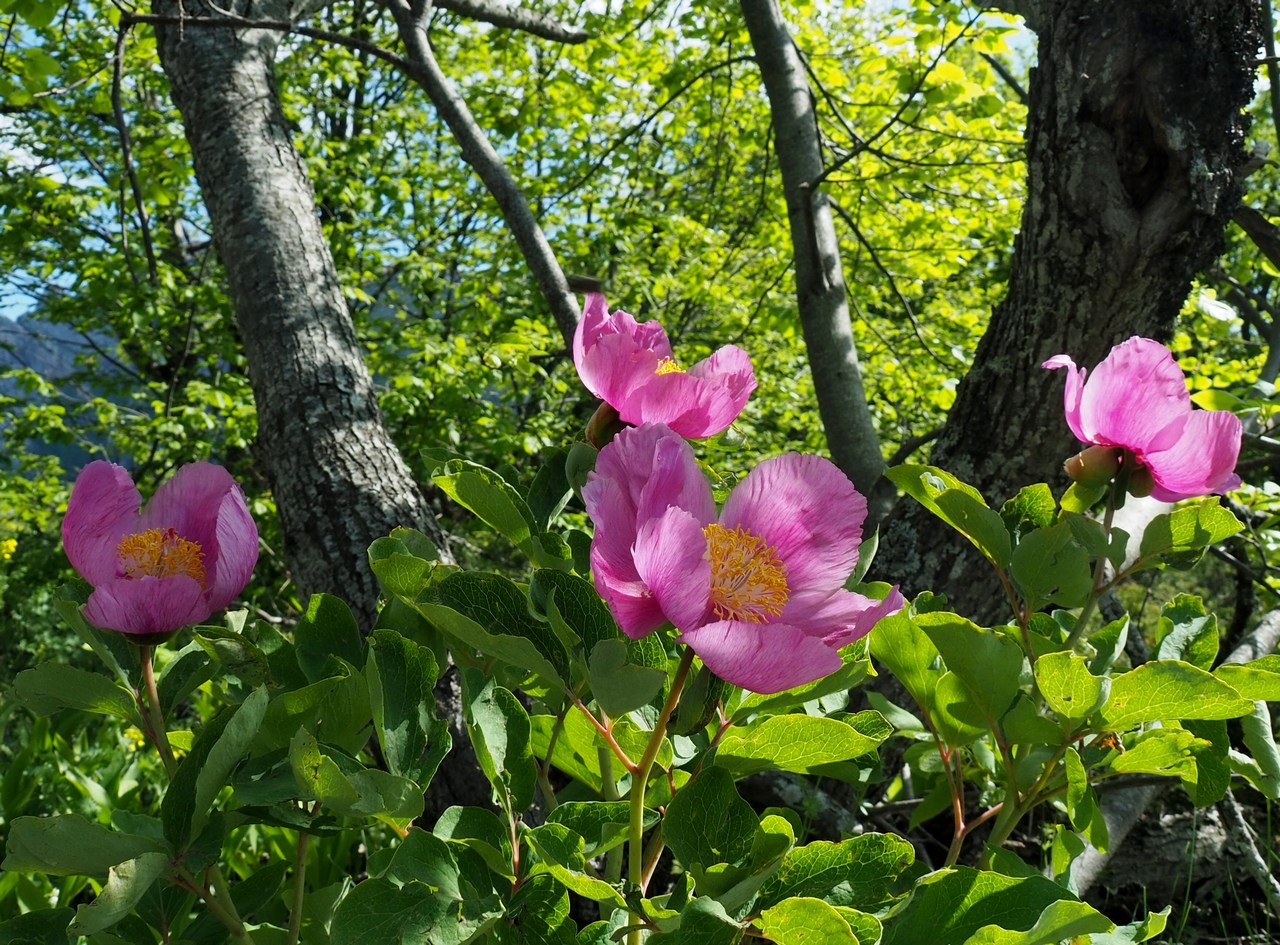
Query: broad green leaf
117 653
491 498
537 914
327 629
798 743
574 750
708 822
550 490
1187 632
1169 689
958 720
1068 687
1210 778
401 677
70 845
909 654
986 661
37 927
1259 738
1135 932
699 703
347 788
235 653
491 614
1082 803
126 884
1164 751
480 830
861 872
205 770
561 853
1259 679
702 922
951 905
578 603
424 858
187 671
1179 538
959 505
603 825
1033 507
49 687
620 686
499 728
1049 566
1061 921
403 562
804 921
378 910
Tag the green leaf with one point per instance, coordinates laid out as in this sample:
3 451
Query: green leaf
401 676
235 653
1068 687
803 921
861 872
578 603
1050 567
50 687
1134 932
187 671
603 825
70 845
986 661
403 562
327 629
36 928
1259 738
1179 538
491 499
126 884
959 505
798 743
574 751
1082 803
347 788
207 767
561 853
1168 689
707 822
951 905
550 490
620 686
1033 507
1259 679
424 858
1187 632
114 649
1211 777
491 614
499 728
698 703
1061 921
702 922
909 654
1164 751
377 910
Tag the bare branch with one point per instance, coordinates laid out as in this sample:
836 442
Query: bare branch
515 17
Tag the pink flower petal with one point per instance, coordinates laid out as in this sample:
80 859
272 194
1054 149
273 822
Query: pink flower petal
1137 398
691 406
630 601
808 511
147 605
236 538
1203 461
103 508
612 352
762 657
671 556
1074 391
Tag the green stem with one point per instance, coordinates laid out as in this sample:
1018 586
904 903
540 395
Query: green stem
1115 498
639 780
609 790
299 888
229 919
155 715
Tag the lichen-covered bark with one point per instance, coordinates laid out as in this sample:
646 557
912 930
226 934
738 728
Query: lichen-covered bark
1134 132
820 290
338 480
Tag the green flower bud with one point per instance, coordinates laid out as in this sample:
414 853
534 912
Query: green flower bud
1095 466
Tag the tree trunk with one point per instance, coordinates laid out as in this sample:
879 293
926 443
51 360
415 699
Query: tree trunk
1134 135
338 480
820 292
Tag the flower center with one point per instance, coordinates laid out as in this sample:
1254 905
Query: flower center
160 553
669 366
748 579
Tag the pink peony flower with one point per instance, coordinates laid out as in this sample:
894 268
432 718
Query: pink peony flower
629 366
1137 399
153 570
757 592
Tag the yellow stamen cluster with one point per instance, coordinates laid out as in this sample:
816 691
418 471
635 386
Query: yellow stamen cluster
748 579
160 553
669 366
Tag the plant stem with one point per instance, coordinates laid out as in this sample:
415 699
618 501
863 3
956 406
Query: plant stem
155 715
231 920
1115 498
639 780
299 888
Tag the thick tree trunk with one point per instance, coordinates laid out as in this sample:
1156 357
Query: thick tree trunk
820 291
338 480
1134 134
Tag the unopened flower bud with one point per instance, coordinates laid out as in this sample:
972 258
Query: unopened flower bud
1095 466
1141 482
603 426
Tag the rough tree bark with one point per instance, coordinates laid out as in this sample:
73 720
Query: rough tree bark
338 480
820 289
1134 136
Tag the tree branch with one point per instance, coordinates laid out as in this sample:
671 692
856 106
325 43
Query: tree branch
515 17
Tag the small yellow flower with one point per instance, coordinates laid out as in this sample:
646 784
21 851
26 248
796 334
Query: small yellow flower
7 547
